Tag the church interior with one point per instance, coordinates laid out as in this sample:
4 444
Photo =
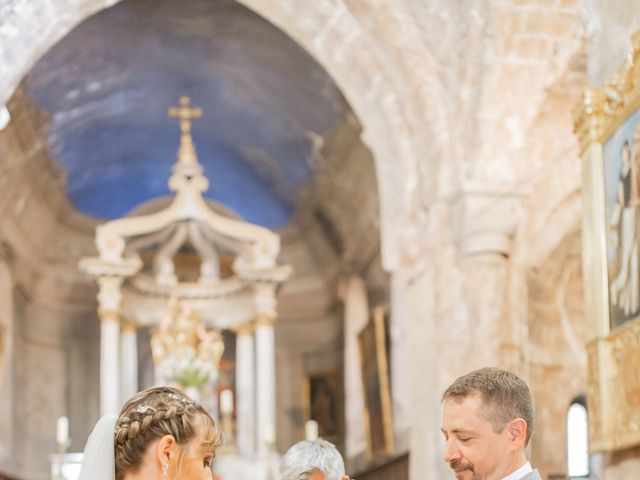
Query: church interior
313 216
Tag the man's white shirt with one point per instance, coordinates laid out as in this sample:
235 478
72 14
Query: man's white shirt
519 473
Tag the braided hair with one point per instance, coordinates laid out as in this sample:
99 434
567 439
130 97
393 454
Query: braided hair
152 414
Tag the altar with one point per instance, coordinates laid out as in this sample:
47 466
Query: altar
228 283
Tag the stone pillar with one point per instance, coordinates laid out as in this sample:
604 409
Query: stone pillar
265 367
109 299
459 307
488 216
245 391
266 383
400 364
356 315
129 359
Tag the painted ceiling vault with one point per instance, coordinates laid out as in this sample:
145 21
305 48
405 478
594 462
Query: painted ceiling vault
108 85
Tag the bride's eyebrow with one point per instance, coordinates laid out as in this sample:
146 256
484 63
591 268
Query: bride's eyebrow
207 449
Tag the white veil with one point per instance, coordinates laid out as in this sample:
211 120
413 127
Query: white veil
98 461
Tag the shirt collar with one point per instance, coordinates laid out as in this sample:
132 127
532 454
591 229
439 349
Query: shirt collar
519 473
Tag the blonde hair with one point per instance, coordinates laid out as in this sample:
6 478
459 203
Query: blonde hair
152 414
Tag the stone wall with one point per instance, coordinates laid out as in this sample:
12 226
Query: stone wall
609 26
557 336
52 303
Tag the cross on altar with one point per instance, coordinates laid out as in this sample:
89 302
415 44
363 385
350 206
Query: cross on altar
185 113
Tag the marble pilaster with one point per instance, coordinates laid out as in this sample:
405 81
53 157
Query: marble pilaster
356 315
265 384
245 390
129 359
109 299
265 305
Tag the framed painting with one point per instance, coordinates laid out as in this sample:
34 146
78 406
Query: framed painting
607 124
374 354
324 403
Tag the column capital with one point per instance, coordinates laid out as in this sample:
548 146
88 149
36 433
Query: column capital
246 328
128 325
110 292
108 315
264 301
266 319
487 217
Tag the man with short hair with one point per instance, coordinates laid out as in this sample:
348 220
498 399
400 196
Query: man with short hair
487 421
312 460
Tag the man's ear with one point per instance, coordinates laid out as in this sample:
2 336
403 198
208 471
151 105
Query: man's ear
518 432
345 477
165 450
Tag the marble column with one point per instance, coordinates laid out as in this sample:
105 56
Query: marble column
265 305
458 306
109 362
488 217
109 299
265 384
129 359
245 391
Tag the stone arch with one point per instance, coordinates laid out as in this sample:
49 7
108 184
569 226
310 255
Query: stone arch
371 82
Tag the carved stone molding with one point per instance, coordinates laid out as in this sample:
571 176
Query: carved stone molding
265 302
244 329
110 294
487 218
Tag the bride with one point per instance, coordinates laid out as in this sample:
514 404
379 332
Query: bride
160 433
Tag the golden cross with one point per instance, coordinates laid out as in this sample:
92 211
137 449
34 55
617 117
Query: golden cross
185 113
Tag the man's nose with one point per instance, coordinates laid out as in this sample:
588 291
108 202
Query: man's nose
451 451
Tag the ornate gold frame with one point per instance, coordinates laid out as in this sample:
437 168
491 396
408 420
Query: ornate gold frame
613 354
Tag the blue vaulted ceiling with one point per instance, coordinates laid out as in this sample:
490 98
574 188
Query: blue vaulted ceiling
109 83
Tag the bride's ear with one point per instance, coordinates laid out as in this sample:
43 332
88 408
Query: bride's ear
164 450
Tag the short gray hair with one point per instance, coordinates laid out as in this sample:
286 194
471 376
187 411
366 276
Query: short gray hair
306 457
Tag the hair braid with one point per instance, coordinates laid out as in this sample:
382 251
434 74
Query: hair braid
151 414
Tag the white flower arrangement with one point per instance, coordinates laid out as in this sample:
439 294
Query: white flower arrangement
187 369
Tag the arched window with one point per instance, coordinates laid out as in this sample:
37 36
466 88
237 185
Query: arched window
578 439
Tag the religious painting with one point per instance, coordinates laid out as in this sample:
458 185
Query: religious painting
621 164
374 364
607 125
324 403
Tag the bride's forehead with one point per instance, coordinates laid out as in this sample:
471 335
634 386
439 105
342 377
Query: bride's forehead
201 445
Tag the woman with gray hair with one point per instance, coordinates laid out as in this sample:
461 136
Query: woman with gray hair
312 460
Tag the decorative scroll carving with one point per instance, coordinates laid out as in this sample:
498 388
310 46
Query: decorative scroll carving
614 392
602 109
625 407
